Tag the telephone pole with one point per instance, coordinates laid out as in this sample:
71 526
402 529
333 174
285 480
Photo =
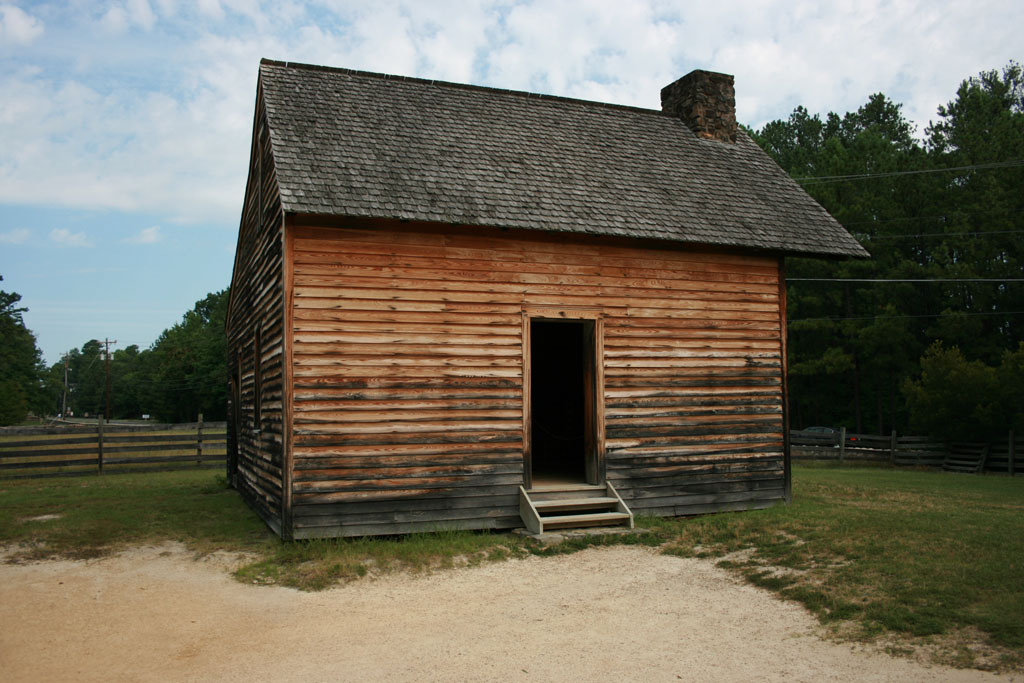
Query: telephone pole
64 401
107 343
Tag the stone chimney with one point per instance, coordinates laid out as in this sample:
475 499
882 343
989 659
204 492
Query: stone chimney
706 102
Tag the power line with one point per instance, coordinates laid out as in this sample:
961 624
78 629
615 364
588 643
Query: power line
942 234
891 317
933 217
873 280
821 180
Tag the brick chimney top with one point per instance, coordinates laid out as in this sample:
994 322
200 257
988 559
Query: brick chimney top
706 102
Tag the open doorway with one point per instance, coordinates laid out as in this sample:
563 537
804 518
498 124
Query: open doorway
562 389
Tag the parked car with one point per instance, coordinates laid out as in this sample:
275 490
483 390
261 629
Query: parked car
821 430
824 431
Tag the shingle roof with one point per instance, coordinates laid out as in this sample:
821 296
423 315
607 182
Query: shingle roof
370 145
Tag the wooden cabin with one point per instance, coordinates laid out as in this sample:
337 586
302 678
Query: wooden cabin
456 306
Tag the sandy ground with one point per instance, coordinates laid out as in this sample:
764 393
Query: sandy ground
616 613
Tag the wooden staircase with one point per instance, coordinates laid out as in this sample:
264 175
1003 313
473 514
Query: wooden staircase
966 457
572 506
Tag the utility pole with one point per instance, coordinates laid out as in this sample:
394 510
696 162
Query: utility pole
64 401
107 343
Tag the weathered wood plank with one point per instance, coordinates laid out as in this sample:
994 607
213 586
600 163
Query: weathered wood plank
392 527
257 306
408 369
526 255
7 446
437 518
503 457
402 413
409 449
35 464
570 256
519 281
381 372
499 498
640 305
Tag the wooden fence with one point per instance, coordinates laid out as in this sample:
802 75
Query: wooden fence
69 450
913 451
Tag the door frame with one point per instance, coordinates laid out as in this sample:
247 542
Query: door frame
593 378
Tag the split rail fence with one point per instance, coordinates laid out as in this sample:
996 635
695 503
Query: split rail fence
69 450
913 451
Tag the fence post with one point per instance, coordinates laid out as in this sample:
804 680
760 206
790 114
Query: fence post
199 442
99 444
1011 454
892 448
842 443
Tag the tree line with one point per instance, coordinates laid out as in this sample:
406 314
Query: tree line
926 336
182 374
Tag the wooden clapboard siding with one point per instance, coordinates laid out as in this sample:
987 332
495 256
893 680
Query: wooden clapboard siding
407 372
258 451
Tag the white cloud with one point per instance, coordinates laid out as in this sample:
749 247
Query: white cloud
132 13
115 20
167 8
69 144
17 27
66 238
141 13
157 118
149 235
211 9
15 236
613 51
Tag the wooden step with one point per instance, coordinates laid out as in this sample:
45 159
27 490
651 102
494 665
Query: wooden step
599 505
565 504
593 519
565 491
966 458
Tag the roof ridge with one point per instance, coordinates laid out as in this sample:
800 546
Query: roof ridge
460 86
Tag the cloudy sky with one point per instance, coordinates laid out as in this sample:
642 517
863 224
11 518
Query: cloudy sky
124 126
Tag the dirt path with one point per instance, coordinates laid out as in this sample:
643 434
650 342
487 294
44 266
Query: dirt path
617 613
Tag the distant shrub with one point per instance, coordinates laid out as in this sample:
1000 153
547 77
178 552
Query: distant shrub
963 400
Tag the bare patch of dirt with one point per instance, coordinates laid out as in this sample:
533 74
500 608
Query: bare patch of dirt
614 613
40 518
963 648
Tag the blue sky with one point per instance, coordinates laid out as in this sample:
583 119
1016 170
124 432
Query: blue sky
124 126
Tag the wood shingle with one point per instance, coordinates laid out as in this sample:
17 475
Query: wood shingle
363 144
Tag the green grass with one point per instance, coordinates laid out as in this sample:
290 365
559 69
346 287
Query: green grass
91 516
918 558
920 554
321 563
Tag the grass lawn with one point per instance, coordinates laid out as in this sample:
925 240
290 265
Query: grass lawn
936 558
919 559
81 517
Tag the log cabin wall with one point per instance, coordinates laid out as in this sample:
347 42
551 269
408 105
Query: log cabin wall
256 351
408 372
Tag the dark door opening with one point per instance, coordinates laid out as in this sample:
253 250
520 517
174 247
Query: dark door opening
561 401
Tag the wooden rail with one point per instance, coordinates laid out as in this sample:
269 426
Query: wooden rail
70 450
908 451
